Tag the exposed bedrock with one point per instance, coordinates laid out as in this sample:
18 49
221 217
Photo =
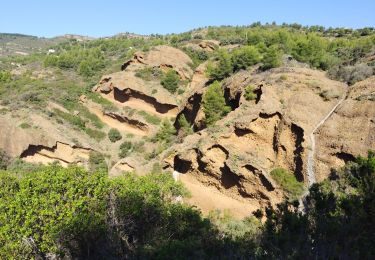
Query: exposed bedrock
63 153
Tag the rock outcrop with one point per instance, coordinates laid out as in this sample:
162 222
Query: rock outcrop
44 143
236 156
349 132
126 89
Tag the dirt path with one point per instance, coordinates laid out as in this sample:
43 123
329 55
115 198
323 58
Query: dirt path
208 198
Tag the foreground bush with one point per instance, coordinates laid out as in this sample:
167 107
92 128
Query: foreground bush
75 214
52 212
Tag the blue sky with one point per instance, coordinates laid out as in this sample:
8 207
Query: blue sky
105 18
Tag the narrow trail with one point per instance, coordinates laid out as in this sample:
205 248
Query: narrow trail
311 179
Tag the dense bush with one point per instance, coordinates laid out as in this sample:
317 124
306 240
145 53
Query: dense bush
149 73
223 68
249 93
86 62
339 220
197 56
184 125
351 74
170 81
165 133
288 182
125 149
5 76
271 58
214 106
97 162
70 213
114 135
245 57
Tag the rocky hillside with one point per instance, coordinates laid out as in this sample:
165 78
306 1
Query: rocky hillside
224 114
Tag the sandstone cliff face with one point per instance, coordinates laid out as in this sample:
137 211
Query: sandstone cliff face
350 131
124 88
44 142
259 135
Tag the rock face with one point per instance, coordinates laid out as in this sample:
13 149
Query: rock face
237 155
126 89
45 144
349 132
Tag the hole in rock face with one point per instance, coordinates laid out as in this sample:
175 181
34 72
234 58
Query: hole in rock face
123 96
242 132
259 93
180 165
346 157
232 102
190 111
298 151
228 178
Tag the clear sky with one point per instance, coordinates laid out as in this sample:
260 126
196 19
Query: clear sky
108 17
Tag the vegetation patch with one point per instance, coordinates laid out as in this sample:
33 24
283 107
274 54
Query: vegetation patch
114 135
149 73
170 81
214 106
288 182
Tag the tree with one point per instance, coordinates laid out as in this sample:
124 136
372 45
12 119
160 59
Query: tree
170 81
272 58
114 135
125 149
184 125
214 106
223 68
166 132
245 57
249 93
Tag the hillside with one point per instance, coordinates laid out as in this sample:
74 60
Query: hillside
246 118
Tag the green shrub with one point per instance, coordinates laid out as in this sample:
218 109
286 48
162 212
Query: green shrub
152 119
249 93
214 106
165 133
184 125
245 57
196 55
5 76
125 149
288 182
272 58
149 73
114 135
97 162
69 212
170 81
96 134
223 68
24 125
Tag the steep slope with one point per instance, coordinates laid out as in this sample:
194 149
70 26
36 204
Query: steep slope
259 135
349 132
